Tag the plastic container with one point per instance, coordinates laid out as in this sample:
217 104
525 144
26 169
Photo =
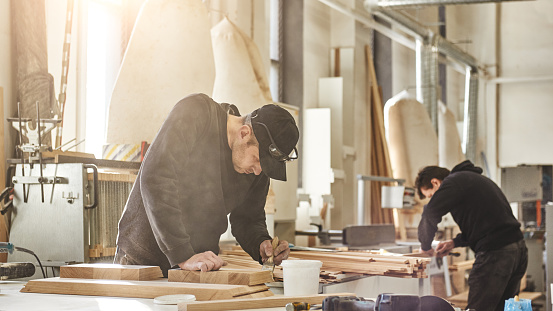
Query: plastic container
301 277
513 304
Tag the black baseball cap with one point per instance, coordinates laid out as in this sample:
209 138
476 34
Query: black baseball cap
277 134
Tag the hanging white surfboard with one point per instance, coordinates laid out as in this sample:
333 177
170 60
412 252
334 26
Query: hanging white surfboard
412 141
241 78
169 56
449 142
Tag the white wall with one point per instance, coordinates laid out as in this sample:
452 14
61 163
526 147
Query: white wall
473 29
526 108
513 128
316 49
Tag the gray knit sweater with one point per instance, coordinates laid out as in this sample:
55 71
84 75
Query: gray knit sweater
187 186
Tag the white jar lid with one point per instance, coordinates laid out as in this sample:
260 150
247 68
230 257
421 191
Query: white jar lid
174 299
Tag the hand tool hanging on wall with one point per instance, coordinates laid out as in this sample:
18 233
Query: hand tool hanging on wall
6 193
34 147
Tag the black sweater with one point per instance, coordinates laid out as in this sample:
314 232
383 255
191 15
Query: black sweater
187 186
477 205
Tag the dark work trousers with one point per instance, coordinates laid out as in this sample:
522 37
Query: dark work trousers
495 276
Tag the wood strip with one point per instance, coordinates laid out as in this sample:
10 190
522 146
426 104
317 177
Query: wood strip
222 276
244 304
137 289
462 265
265 293
111 272
380 159
3 218
241 290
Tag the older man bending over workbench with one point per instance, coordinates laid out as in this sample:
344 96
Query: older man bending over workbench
206 162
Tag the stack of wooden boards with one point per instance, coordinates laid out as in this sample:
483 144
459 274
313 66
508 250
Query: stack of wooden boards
225 289
350 262
145 282
369 263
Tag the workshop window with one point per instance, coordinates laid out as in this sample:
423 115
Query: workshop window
275 78
103 58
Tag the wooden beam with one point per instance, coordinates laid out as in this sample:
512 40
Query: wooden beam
222 276
3 218
243 304
111 272
380 159
138 289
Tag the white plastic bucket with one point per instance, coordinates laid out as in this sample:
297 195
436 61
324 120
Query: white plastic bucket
301 277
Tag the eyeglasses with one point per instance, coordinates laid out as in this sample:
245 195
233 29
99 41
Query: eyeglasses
275 152
273 149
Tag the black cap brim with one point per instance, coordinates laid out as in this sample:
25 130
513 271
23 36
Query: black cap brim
274 125
271 167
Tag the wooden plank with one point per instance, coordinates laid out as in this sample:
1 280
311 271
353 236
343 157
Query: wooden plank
265 293
99 251
530 295
243 290
380 159
56 153
3 218
137 289
111 272
462 265
222 276
243 304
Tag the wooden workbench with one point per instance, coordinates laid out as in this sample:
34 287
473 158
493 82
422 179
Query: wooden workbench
11 299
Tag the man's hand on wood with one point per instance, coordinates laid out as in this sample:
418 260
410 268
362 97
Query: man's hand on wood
206 261
444 248
281 252
429 252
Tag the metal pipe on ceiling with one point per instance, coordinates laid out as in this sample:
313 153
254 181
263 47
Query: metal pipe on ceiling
427 77
366 19
471 105
406 4
537 78
441 45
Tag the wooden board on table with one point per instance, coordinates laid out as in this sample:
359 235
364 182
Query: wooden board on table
55 154
111 272
138 289
243 304
223 276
